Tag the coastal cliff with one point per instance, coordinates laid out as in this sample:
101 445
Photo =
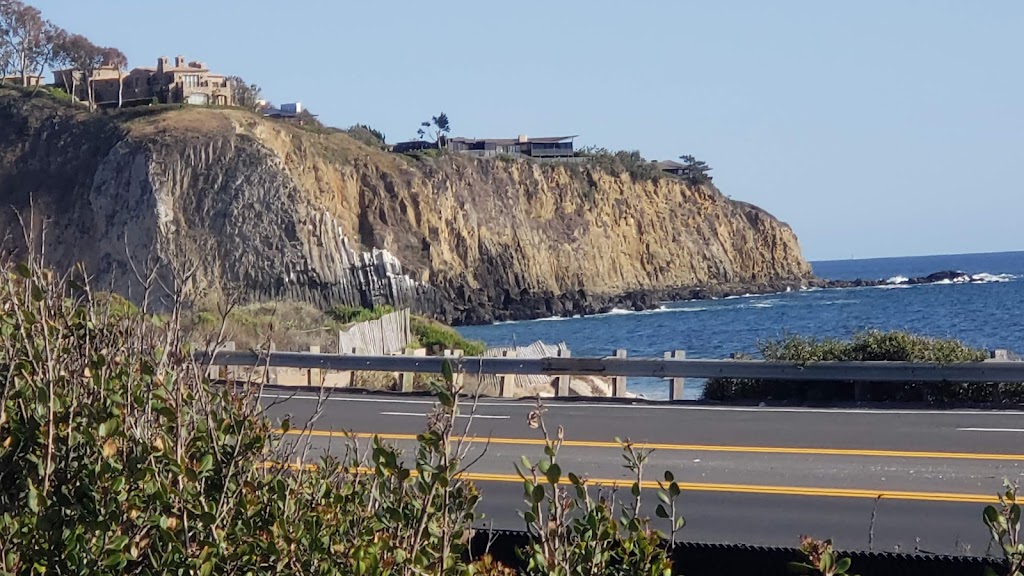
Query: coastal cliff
276 211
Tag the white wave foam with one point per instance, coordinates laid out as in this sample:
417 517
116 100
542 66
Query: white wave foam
762 305
985 277
832 302
897 280
618 312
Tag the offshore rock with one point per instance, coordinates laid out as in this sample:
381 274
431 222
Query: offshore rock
268 210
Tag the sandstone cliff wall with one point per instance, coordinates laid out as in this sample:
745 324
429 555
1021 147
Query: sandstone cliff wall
279 212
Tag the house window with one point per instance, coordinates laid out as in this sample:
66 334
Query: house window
191 80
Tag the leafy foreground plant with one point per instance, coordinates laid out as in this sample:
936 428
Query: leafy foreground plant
574 534
118 457
1004 525
821 559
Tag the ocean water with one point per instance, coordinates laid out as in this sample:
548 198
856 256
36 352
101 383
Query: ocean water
986 314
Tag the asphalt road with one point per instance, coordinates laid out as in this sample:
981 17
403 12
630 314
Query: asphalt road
758 476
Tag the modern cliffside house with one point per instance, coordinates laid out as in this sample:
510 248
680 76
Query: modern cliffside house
682 170
182 83
413 146
672 167
549 147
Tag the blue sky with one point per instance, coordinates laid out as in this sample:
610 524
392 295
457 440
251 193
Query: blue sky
874 128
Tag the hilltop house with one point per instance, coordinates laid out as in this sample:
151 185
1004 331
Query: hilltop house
699 173
673 167
548 147
182 83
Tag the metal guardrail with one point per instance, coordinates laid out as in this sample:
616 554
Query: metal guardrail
618 368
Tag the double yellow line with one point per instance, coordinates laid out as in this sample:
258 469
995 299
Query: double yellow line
727 488
696 447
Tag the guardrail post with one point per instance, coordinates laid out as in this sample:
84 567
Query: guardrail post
457 376
562 382
405 379
314 376
999 355
270 376
225 372
619 382
675 391
505 381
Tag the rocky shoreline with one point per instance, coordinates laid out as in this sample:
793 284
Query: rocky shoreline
580 303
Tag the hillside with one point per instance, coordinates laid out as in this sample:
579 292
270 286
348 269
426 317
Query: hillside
279 212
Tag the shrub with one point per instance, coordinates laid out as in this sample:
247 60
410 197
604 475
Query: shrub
352 315
117 456
621 162
436 337
289 325
573 533
864 347
367 135
1004 526
821 559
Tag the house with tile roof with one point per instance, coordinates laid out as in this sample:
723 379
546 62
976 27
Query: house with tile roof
182 82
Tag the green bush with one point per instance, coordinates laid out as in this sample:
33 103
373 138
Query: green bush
575 534
367 135
864 347
352 314
436 337
118 457
621 162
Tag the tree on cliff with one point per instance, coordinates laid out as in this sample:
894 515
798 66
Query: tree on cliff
244 94
84 58
65 60
6 61
695 171
27 39
112 57
437 128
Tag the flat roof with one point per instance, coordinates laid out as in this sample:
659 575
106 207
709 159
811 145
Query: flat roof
542 140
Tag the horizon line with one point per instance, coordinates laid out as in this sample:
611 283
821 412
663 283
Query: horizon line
982 253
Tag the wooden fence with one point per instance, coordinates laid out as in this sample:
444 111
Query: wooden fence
674 368
389 334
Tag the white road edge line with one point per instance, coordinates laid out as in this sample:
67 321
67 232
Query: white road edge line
486 416
990 429
554 405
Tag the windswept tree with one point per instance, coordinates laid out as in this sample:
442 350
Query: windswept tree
6 60
28 39
695 171
112 57
244 94
437 128
84 58
65 59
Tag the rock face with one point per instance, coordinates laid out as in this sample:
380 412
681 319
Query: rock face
275 211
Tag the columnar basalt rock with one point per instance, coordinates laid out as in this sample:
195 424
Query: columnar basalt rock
275 211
